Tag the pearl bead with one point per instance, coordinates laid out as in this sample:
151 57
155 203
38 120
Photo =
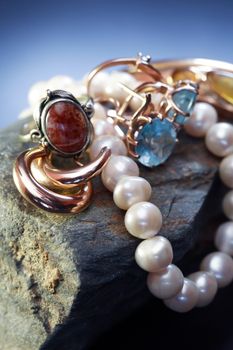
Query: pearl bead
117 167
228 205
116 145
26 113
219 139
226 171
143 220
156 99
100 80
154 254
103 127
165 283
202 118
60 82
221 265
115 90
186 299
124 78
207 286
136 103
224 238
130 190
99 111
37 92
76 89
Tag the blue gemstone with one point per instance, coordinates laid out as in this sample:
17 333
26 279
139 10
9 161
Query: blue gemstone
180 119
156 141
185 100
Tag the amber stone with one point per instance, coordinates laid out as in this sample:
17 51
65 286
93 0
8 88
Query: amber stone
184 75
66 127
222 84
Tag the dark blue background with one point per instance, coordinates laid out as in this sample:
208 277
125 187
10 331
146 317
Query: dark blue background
41 39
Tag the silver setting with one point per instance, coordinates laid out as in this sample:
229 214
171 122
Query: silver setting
143 58
41 113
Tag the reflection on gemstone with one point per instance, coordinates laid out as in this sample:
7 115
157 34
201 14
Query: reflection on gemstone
222 84
66 127
156 141
185 99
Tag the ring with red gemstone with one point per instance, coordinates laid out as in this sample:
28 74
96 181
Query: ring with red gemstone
64 130
63 123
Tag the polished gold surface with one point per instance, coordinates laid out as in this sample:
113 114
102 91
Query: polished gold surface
78 175
222 84
139 64
214 77
48 177
47 192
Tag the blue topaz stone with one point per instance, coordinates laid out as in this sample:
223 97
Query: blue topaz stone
180 119
156 141
185 99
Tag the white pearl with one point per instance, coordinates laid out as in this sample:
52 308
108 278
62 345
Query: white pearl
103 127
221 265
202 118
117 167
207 286
60 82
143 220
156 99
226 171
115 90
26 113
130 190
219 139
136 103
165 283
224 238
116 145
99 111
124 78
76 89
228 205
98 83
186 299
154 254
37 92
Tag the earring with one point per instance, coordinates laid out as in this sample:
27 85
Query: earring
215 78
51 176
150 130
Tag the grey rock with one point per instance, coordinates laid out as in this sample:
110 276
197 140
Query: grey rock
66 279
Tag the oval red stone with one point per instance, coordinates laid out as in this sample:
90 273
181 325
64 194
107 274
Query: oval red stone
66 127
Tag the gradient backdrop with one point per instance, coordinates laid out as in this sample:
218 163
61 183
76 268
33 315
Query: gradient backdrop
40 39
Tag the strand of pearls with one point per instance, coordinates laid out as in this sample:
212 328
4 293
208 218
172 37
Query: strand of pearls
132 193
143 219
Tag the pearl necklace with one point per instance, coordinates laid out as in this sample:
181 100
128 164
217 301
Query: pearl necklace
143 219
132 193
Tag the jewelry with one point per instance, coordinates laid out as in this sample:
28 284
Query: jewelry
144 220
152 134
63 131
151 131
215 78
140 64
